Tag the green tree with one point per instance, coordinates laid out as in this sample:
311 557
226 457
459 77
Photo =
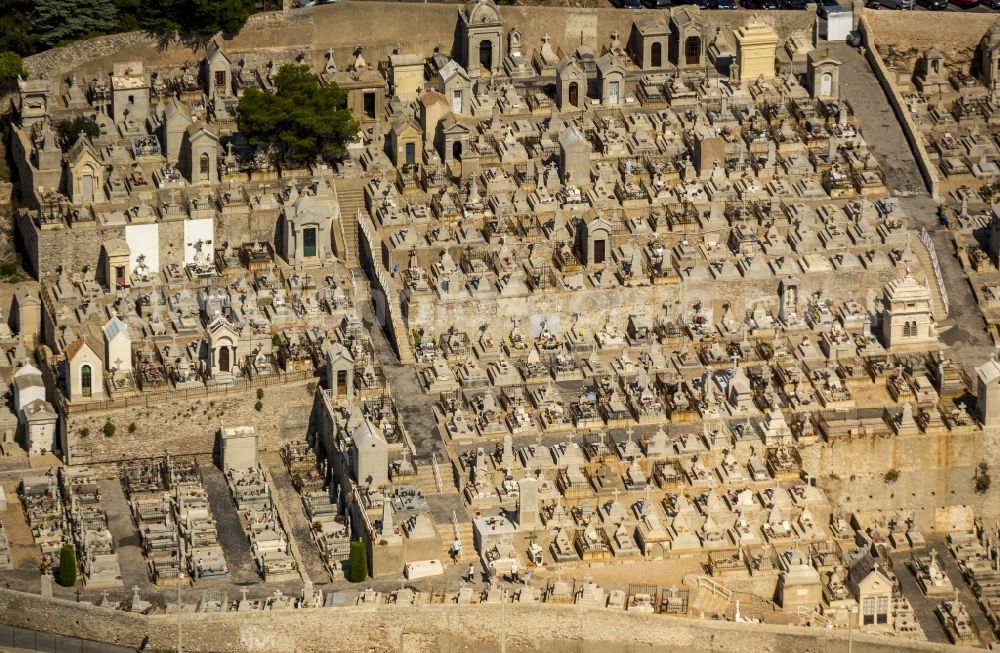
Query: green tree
358 562
308 118
108 429
67 565
188 16
70 130
11 67
15 28
58 21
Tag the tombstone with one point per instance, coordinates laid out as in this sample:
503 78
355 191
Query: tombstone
574 156
339 371
823 75
756 44
527 505
648 43
507 453
369 455
238 447
46 586
788 292
480 30
988 393
571 85
989 53
387 525
688 38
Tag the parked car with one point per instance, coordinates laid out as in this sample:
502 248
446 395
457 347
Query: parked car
629 4
722 4
965 4
762 4
933 5
897 4
992 4
701 4
827 7
793 4
658 4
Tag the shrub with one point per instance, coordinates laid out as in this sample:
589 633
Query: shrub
891 476
982 478
276 340
67 565
259 406
358 562
84 432
132 427
108 429
260 393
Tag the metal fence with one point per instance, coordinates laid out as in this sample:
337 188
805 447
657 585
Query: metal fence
32 640
925 238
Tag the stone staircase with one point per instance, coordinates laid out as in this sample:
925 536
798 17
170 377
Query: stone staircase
937 306
468 554
352 199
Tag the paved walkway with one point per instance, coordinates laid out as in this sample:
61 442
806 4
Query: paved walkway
234 541
298 525
923 607
415 407
127 542
967 336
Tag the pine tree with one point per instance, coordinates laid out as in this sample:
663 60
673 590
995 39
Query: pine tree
309 119
358 562
67 565
56 21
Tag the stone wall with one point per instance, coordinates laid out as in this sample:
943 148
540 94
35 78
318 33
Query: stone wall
956 34
433 628
934 470
79 246
342 26
187 426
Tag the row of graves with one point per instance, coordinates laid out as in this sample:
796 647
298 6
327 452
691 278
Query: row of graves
596 501
89 527
42 497
329 529
171 511
5 559
641 598
811 390
976 553
218 331
252 494
65 507
6 562
955 106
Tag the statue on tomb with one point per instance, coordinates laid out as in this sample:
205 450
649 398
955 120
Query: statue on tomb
514 42
734 73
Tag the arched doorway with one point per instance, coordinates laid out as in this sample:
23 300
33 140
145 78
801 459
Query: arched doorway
692 51
204 165
456 150
574 93
86 381
656 55
223 359
87 181
486 54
